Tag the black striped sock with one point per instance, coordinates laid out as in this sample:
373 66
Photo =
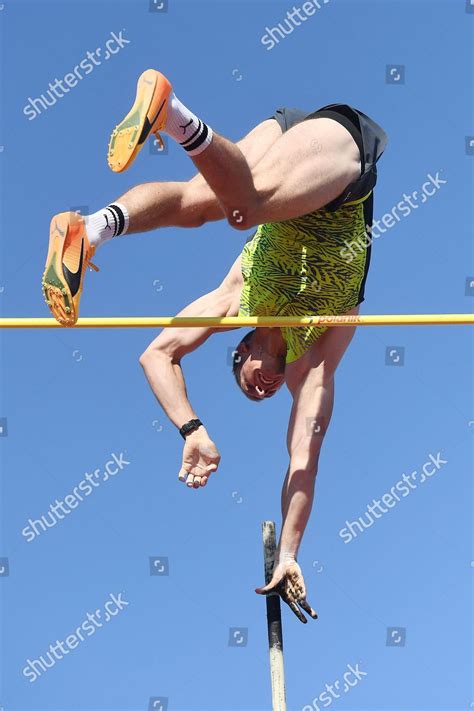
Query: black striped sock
102 226
120 218
197 139
186 128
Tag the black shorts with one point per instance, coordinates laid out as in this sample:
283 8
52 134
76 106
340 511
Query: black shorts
369 136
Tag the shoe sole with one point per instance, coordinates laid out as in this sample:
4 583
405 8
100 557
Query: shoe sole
56 291
147 115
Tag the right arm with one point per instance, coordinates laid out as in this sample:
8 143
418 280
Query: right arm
162 359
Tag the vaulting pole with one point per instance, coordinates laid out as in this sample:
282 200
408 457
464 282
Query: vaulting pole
275 632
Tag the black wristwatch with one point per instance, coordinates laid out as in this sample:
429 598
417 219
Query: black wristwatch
188 427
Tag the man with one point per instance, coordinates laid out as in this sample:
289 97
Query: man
306 181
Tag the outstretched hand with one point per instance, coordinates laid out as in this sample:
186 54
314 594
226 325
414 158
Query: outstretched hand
288 583
200 460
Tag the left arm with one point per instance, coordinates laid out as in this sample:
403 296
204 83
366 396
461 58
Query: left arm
311 413
311 383
312 407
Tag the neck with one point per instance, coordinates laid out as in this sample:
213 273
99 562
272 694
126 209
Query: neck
271 341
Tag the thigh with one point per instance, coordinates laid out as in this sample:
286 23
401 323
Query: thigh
197 194
305 169
255 145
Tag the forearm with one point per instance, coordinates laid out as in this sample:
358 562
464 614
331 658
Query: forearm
167 382
297 502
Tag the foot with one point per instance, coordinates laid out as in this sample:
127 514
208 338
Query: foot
147 115
69 255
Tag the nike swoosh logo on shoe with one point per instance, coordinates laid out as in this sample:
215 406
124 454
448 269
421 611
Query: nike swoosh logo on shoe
73 279
147 126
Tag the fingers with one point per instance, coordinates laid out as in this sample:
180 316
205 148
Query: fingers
272 586
192 481
292 591
293 606
295 595
196 481
266 589
307 608
183 474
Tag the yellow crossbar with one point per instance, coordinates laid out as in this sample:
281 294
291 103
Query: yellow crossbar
251 322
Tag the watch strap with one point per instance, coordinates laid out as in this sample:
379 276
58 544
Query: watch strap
188 427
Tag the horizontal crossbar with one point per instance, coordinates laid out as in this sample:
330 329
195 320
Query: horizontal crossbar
241 322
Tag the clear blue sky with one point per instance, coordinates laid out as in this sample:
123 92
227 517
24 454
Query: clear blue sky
72 398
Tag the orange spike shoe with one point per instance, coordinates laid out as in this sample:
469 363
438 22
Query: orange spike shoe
69 255
147 115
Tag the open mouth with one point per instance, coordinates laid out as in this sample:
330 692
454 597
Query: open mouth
270 381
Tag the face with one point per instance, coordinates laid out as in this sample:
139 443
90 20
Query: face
261 374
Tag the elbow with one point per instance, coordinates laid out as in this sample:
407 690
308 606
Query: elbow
150 357
249 215
253 209
305 465
241 221
144 359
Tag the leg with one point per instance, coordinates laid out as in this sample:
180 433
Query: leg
306 168
292 179
193 203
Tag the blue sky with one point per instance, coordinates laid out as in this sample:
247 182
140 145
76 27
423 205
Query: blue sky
72 399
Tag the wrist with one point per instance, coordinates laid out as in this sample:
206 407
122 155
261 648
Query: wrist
200 433
190 427
285 556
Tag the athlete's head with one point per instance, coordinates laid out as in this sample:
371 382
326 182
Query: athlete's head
259 373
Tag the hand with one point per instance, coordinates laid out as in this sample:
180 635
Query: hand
200 459
288 583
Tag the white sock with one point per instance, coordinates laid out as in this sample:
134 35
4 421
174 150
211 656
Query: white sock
186 128
105 224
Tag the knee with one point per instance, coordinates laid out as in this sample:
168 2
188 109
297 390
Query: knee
240 219
248 215
255 206
195 207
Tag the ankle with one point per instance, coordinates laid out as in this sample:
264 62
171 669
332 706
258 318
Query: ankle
186 128
102 226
